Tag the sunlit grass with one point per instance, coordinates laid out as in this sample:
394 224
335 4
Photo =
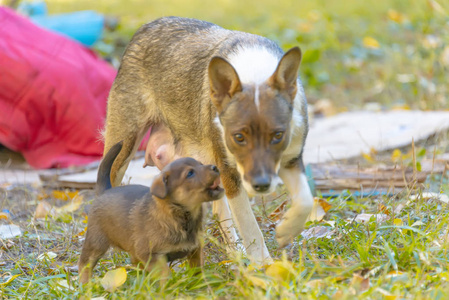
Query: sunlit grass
405 67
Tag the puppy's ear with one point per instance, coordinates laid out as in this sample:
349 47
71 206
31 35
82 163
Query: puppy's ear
159 186
286 74
224 82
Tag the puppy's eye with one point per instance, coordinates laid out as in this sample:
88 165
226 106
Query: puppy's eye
190 174
277 138
239 138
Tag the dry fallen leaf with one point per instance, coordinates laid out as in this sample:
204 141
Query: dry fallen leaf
318 232
9 279
70 207
113 279
396 155
364 218
425 196
257 281
43 209
360 283
280 270
370 42
319 209
64 195
9 231
278 212
4 216
47 255
395 16
382 208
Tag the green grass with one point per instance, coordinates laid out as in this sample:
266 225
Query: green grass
407 69
404 257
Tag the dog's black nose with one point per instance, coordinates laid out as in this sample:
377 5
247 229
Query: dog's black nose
261 184
214 168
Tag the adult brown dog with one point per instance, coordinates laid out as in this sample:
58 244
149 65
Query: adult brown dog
229 98
161 222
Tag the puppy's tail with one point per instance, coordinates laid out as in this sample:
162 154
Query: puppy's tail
104 171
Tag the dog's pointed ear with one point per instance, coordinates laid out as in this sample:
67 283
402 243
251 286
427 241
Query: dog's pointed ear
286 74
224 82
159 187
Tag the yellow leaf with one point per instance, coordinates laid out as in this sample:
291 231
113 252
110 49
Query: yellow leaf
397 222
42 210
370 42
64 195
395 16
225 262
70 207
382 208
113 279
396 155
319 209
81 233
257 281
367 157
324 204
10 279
280 270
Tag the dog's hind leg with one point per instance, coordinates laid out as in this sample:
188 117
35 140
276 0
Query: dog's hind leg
292 223
123 126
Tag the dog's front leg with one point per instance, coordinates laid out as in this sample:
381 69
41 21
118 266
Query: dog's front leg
222 210
246 223
294 219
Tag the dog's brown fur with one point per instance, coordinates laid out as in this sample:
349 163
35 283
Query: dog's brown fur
163 222
224 97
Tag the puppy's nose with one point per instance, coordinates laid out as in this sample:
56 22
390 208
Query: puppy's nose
261 183
214 168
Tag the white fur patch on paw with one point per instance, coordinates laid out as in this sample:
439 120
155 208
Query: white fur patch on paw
287 230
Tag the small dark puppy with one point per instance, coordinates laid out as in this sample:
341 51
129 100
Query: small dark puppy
163 222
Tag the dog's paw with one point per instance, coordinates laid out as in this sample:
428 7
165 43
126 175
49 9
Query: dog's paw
287 230
291 225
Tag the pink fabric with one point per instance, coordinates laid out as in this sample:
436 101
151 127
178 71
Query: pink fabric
53 95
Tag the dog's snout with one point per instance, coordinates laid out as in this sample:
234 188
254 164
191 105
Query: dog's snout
214 168
261 183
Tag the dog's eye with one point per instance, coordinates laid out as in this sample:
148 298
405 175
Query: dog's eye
239 138
277 138
190 174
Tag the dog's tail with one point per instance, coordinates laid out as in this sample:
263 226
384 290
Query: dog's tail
104 171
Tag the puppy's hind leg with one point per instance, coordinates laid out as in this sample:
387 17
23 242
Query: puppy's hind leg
294 219
93 249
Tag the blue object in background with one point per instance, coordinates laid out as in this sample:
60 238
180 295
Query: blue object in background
83 26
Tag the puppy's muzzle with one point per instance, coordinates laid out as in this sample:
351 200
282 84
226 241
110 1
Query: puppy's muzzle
213 188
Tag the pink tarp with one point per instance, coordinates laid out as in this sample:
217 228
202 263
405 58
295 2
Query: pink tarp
53 95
